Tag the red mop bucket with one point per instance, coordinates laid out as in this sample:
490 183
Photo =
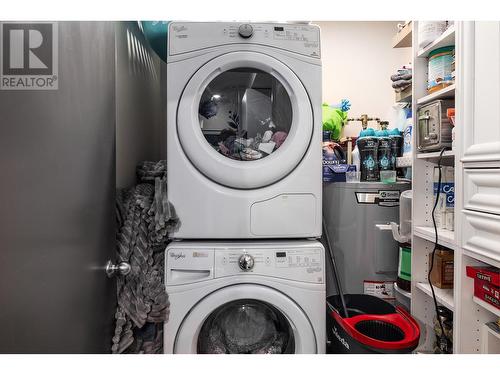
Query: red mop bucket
374 326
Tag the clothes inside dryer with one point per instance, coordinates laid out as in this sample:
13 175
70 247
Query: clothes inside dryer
246 326
245 114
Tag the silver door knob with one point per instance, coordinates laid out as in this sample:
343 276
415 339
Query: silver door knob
246 262
122 269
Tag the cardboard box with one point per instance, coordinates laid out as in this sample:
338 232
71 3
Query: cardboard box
487 292
488 274
442 271
446 201
336 172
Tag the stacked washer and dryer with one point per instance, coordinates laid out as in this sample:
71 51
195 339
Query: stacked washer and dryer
245 272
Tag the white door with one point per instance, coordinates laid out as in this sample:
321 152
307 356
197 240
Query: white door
481 91
246 318
245 120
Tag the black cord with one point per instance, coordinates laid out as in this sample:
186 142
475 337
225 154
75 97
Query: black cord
442 340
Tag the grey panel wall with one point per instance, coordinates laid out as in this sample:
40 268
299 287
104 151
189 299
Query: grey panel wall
57 163
139 122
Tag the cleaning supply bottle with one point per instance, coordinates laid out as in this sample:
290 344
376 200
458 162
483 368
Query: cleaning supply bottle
367 145
396 145
355 158
384 152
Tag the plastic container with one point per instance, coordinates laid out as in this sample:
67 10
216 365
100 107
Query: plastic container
440 69
396 146
428 31
384 151
352 177
388 177
374 326
404 267
368 157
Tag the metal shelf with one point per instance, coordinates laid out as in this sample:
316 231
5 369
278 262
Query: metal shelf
446 238
446 39
443 296
446 93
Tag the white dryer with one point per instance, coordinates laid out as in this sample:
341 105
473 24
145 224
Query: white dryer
244 129
245 297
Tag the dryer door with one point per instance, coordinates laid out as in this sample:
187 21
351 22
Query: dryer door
245 120
246 318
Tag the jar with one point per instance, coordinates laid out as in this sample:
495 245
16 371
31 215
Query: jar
440 69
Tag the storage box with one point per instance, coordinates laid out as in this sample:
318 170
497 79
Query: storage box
486 284
487 292
336 172
442 271
489 274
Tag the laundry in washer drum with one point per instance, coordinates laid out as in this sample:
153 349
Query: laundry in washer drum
246 327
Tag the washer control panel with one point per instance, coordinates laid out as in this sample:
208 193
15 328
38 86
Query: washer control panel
187 37
288 263
245 30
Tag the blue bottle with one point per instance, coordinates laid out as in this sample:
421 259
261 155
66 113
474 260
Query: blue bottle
368 146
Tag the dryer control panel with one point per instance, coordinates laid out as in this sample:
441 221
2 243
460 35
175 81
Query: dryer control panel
187 37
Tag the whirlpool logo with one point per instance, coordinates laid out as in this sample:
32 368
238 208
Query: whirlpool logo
177 256
29 56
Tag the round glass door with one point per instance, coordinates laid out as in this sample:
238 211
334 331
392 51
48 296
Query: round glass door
246 327
244 120
245 114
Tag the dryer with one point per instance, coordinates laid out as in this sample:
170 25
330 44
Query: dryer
245 297
244 130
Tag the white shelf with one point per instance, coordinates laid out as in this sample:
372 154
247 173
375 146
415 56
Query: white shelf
482 258
445 237
446 39
401 291
435 155
443 296
486 306
445 93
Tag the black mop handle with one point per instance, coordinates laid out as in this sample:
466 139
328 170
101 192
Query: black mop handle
335 273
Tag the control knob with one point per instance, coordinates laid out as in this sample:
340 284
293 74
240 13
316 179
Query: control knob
245 31
246 262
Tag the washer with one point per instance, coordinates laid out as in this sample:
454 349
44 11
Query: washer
244 130
245 297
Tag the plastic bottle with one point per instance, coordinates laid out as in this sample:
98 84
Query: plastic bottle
384 152
367 145
396 145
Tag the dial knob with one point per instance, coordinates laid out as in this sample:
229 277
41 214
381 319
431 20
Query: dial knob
246 262
245 31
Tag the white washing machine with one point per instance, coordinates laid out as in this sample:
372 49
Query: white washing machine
244 130
245 297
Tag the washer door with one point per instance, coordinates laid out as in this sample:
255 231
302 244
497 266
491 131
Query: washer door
245 318
245 120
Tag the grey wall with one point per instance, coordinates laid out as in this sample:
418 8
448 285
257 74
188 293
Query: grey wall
139 125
